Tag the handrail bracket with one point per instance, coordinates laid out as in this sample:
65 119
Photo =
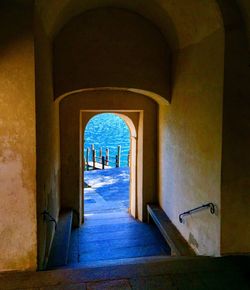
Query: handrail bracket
209 205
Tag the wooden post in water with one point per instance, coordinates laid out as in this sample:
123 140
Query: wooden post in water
103 162
93 155
107 156
87 158
94 158
100 153
118 158
116 161
129 158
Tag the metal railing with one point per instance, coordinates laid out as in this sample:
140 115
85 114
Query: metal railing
48 217
209 205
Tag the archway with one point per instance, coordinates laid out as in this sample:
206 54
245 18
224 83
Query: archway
131 119
109 152
75 111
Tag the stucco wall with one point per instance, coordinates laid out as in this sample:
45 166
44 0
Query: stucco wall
235 192
190 142
110 48
17 139
48 150
70 130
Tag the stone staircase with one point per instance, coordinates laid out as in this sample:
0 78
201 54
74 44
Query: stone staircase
172 273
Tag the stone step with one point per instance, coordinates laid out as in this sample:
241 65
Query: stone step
180 273
127 261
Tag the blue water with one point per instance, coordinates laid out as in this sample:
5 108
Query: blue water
108 131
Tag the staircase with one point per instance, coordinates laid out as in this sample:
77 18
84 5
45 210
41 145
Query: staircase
173 273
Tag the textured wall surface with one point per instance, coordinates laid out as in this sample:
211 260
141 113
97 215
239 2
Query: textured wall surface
235 186
190 141
17 140
48 150
110 48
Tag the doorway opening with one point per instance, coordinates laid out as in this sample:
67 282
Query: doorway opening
107 161
110 232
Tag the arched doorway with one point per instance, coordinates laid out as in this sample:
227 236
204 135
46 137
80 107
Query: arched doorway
106 164
130 158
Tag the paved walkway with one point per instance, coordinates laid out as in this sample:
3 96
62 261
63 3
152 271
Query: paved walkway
108 191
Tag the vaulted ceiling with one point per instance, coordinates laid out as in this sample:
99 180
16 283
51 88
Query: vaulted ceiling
183 22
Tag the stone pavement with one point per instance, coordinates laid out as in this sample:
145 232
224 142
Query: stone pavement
227 273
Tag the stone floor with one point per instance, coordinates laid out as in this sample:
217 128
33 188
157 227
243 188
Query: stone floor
228 273
108 190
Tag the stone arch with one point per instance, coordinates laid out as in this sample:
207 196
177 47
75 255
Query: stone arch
139 108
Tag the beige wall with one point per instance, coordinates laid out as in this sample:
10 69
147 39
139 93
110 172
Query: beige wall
70 108
110 48
48 150
190 142
17 140
235 186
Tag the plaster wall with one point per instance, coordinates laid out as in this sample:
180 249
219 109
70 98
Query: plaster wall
70 108
190 142
235 186
48 149
110 48
17 139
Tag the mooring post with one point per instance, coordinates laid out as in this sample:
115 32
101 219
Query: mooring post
87 158
94 158
119 156
103 162
116 161
100 153
107 156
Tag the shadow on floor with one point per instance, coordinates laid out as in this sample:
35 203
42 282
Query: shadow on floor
114 236
109 232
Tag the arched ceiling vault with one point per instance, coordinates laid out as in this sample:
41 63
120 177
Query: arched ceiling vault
182 22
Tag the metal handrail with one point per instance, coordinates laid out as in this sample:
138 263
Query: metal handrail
45 214
209 205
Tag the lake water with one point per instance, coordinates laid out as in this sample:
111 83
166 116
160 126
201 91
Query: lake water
108 131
